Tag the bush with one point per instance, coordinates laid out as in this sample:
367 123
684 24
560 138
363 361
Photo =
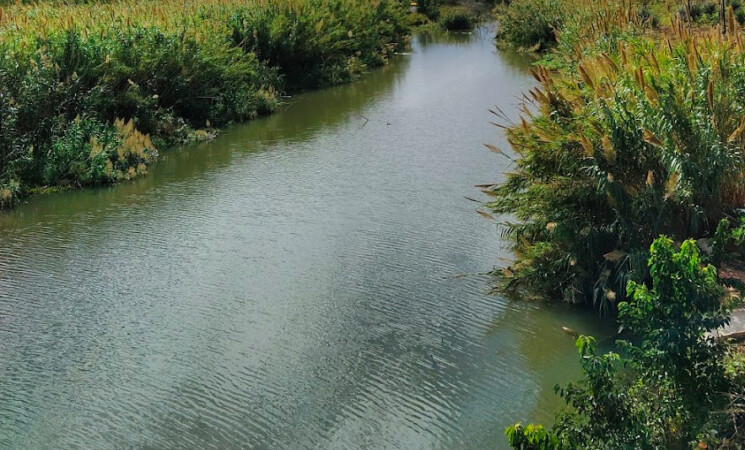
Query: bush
457 18
89 153
647 17
430 8
530 23
707 12
315 47
671 388
702 11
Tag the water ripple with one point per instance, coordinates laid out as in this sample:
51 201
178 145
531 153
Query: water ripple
289 285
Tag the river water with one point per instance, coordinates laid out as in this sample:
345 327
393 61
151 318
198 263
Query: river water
293 284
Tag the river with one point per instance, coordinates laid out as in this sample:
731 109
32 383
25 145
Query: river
294 283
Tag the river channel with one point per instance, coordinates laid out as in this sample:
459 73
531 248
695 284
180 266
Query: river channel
305 280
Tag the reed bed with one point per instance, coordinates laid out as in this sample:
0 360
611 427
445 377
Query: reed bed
89 92
636 130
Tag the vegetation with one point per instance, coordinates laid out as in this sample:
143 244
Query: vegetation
676 388
536 25
708 12
430 8
453 15
627 138
729 243
634 131
457 18
530 24
90 91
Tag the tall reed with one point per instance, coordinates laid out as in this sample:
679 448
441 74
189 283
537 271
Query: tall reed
81 83
638 133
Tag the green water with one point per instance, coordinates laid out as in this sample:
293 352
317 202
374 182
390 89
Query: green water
291 284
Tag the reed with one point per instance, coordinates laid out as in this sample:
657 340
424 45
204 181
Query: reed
82 82
637 132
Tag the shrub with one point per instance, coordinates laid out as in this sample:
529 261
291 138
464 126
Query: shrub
530 23
417 19
457 18
671 388
729 243
647 17
702 11
707 12
89 152
430 8
313 47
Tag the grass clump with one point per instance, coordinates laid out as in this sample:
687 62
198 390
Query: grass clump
89 91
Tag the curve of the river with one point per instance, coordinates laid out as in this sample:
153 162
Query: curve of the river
292 284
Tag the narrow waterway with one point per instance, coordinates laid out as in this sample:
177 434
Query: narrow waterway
292 284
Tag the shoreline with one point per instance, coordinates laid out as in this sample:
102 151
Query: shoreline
93 92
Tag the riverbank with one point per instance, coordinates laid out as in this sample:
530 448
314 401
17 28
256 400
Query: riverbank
90 93
611 154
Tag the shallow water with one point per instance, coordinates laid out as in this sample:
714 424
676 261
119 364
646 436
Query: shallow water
292 284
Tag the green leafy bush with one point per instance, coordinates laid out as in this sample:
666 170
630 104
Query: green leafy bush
314 47
729 243
707 11
671 388
430 8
